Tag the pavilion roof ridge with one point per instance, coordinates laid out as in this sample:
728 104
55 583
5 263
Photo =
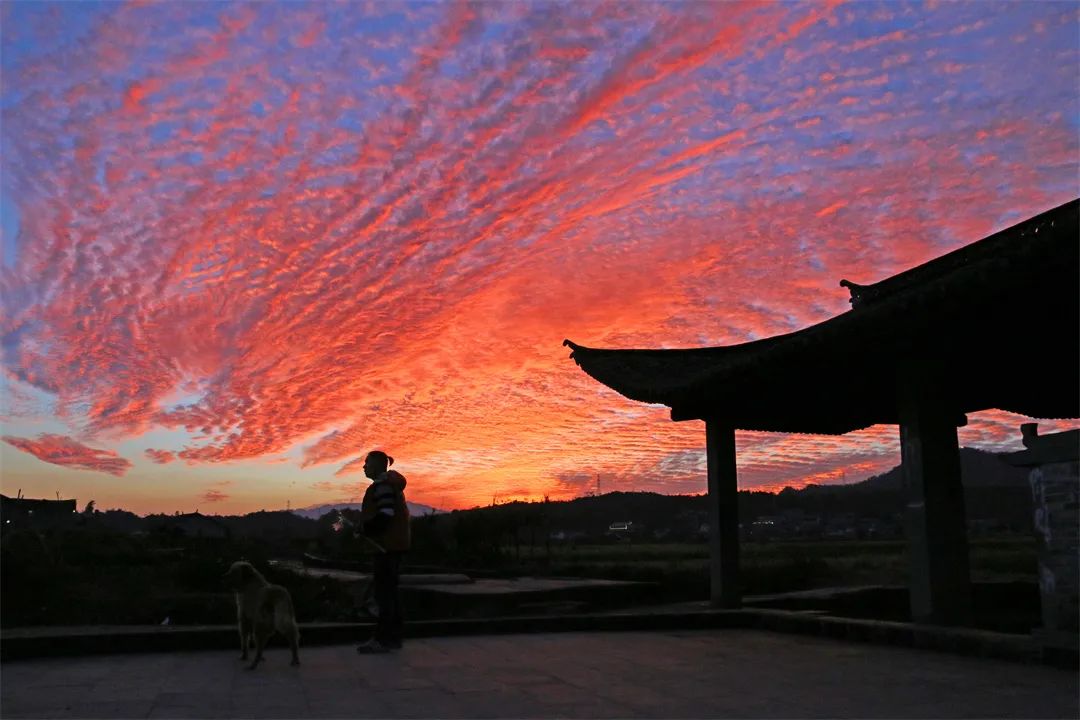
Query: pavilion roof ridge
996 299
716 350
995 247
987 249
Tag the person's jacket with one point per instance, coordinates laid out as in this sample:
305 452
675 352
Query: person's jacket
384 512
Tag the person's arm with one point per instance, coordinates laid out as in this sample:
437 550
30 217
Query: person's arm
366 513
384 510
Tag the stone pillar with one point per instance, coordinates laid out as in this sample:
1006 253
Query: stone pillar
936 523
1055 488
723 515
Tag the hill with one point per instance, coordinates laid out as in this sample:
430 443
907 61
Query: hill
996 494
978 468
994 491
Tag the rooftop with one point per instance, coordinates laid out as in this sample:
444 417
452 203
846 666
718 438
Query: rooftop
996 320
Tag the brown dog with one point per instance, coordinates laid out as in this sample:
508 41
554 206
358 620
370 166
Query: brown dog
261 608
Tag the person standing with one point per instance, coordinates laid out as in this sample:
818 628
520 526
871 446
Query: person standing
385 522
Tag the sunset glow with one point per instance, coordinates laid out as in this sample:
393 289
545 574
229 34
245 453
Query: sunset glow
242 244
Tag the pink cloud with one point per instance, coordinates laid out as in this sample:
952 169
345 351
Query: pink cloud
381 240
353 466
160 457
67 452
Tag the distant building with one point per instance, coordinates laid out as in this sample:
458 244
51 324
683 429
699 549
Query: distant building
195 525
767 527
622 530
24 512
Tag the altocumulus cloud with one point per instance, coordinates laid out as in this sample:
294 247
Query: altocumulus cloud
391 226
214 495
161 457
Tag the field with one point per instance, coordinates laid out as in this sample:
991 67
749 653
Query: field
77 577
779 566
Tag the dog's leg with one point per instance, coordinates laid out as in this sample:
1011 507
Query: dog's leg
245 637
294 643
261 636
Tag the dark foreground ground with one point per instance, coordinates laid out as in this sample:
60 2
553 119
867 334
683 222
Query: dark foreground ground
700 674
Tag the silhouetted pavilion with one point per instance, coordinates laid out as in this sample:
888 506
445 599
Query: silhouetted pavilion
991 325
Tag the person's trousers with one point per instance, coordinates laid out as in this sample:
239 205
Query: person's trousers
388 629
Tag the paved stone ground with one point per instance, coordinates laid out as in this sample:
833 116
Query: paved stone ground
700 674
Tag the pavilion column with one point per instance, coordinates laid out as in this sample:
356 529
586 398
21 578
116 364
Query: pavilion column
940 588
723 515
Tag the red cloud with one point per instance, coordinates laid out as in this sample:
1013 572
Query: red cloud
161 457
66 452
214 496
826 211
353 466
333 446
398 252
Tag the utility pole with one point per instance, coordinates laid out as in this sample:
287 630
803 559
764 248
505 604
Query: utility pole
597 484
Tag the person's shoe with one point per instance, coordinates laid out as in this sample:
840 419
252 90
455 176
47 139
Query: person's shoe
373 647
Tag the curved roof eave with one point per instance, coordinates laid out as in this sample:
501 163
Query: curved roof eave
963 300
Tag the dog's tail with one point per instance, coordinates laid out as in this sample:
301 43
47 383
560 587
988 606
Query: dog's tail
289 627
284 613
285 622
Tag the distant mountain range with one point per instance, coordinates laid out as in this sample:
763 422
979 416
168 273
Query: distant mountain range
978 469
993 487
314 512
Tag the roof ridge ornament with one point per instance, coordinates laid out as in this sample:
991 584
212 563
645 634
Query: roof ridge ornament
856 291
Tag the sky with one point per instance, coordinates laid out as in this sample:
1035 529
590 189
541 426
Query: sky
245 243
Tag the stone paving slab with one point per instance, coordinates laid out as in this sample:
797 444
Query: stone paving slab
663 674
525 585
24 643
